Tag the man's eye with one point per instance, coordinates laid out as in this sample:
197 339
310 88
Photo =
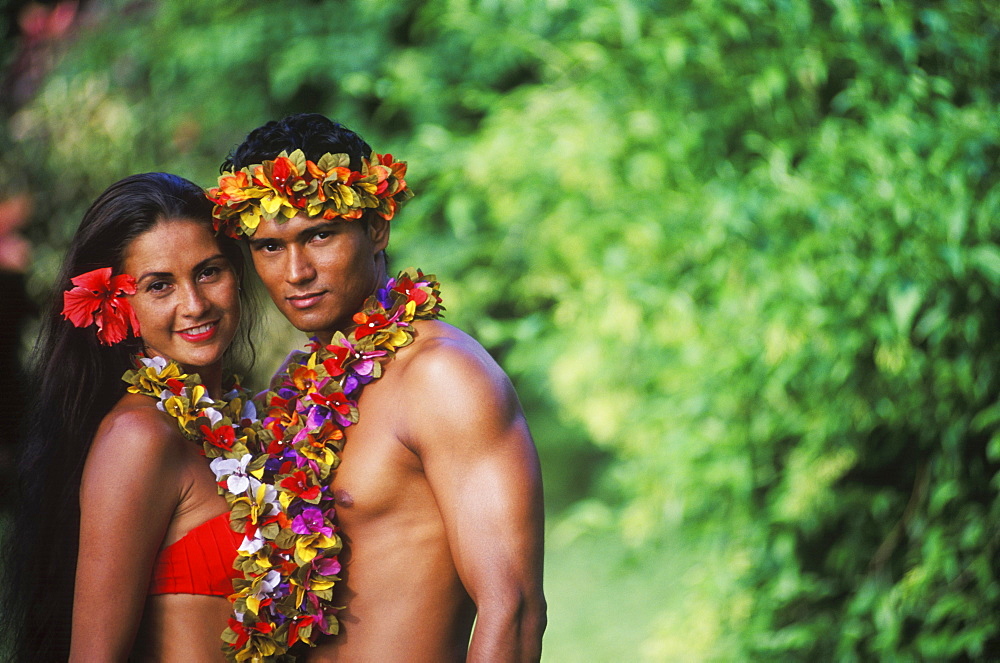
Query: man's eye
323 234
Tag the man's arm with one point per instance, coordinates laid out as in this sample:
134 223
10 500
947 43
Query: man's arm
481 463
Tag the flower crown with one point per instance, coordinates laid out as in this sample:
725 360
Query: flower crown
100 299
290 183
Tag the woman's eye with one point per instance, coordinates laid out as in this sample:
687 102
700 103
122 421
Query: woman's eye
210 272
157 286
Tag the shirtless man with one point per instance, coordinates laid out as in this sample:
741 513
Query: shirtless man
438 492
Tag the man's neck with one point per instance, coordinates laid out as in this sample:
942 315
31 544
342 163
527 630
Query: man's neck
345 325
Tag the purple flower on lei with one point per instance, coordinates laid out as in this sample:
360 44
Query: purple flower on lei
326 566
351 384
385 294
311 521
316 417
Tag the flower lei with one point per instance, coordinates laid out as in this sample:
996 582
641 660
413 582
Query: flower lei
100 299
276 473
290 184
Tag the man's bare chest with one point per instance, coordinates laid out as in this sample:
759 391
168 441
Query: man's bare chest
378 475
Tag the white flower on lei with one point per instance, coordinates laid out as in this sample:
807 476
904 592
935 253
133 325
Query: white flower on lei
234 471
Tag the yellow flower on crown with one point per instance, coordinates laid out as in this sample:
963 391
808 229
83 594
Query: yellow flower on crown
290 184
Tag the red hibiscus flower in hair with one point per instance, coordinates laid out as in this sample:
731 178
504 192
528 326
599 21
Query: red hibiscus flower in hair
99 298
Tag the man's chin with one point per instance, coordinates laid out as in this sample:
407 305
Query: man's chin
308 324
312 327
313 323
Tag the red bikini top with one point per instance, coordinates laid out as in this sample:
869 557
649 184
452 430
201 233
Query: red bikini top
200 562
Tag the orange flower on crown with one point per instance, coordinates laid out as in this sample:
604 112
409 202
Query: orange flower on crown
290 184
100 299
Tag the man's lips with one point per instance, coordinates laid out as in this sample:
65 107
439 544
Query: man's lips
200 333
306 300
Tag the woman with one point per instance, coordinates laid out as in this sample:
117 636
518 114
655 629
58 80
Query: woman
142 568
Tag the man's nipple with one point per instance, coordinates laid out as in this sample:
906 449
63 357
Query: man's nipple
343 498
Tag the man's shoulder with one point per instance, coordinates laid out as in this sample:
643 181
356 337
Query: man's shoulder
449 363
430 335
439 347
473 405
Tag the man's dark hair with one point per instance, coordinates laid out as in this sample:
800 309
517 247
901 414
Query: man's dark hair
312 133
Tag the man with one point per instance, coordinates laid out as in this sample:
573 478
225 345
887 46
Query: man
438 493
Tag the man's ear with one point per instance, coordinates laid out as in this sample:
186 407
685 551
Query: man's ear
378 232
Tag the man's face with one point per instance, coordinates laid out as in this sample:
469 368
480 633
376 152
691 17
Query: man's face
319 272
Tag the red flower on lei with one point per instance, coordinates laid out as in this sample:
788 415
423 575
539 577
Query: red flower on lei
100 299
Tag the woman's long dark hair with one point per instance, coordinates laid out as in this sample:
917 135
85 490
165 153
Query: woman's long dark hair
75 382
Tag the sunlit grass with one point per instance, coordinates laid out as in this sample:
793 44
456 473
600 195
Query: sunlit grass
607 603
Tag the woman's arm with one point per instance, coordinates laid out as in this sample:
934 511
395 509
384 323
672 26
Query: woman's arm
128 494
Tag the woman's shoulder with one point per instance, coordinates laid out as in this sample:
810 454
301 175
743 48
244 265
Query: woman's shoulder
136 427
138 453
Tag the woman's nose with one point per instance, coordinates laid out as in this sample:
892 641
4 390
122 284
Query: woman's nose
194 303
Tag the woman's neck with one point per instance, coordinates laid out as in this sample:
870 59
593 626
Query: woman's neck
211 375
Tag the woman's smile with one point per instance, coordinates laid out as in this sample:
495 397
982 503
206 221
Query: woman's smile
200 333
187 296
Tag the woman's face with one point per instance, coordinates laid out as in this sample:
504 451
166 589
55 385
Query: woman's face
187 294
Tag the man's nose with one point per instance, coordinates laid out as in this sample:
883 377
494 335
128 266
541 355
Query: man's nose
300 267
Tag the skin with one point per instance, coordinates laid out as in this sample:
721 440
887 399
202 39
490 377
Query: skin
438 493
318 272
144 486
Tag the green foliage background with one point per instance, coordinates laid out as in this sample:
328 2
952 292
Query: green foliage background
740 259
